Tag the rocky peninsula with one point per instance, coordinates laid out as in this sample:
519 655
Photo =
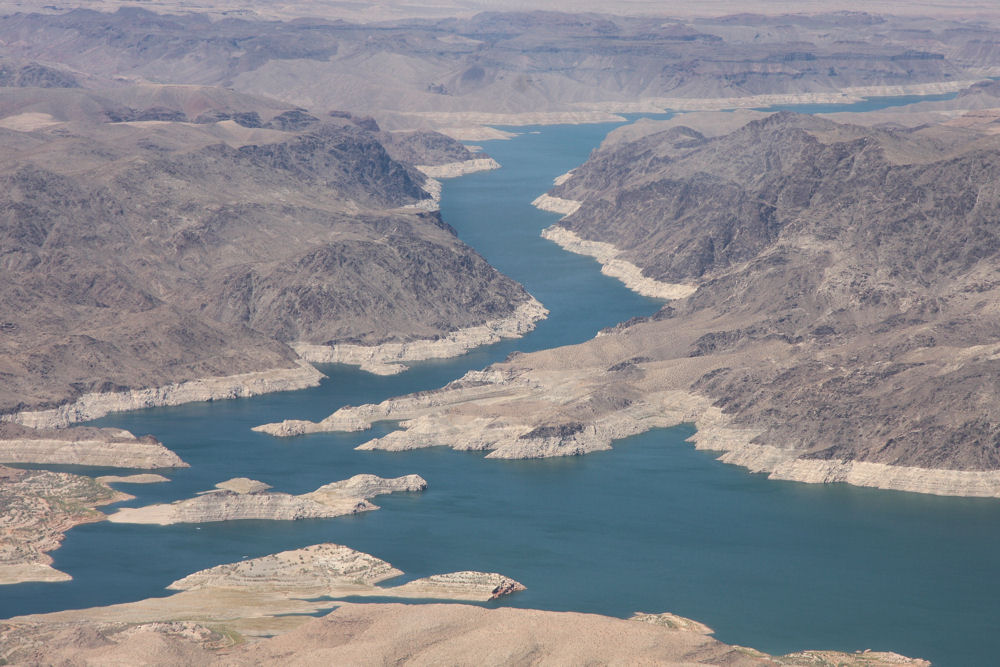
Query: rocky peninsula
102 447
258 609
461 168
336 571
38 507
271 594
242 498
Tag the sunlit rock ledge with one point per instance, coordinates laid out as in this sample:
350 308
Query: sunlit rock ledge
242 498
456 169
613 266
95 405
391 358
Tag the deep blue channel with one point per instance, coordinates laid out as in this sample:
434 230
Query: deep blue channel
651 526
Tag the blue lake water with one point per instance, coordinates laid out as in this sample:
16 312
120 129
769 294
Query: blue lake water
651 526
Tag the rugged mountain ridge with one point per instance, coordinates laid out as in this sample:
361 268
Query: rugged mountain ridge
872 270
410 72
840 324
871 248
142 254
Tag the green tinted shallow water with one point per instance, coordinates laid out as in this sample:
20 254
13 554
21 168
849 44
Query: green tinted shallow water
652 525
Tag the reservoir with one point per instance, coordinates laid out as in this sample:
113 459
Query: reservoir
652 525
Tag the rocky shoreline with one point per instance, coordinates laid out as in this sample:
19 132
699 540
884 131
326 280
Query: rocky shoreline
613 266
261 610
507 413
476 125
442 120
456 169
391 358
242 498
38 508
95 405
847 95
259 597
606 254
108 448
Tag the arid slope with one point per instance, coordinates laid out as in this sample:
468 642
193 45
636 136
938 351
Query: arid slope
841 326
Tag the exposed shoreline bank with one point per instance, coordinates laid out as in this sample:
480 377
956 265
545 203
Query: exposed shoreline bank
456 169
848 95
96 405
489 411
391 358
39 508
613 266
477 125
107 448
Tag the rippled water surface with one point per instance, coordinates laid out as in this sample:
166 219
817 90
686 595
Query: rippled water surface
651 526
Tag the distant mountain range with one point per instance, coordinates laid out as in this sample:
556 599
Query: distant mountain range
505 62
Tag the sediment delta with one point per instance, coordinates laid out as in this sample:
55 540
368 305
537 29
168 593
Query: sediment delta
242 498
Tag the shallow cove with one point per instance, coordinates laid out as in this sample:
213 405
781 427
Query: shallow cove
653 525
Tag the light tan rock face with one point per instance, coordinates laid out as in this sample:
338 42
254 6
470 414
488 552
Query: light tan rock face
460 586
243 498
92 406
145 478
456 169
36 508
508 413
85 643
279 594
110 448
458 634
612 265
552 204
672 621
315 570
391 358
337 571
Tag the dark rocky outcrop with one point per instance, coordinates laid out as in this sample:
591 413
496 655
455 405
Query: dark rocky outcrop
34 75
